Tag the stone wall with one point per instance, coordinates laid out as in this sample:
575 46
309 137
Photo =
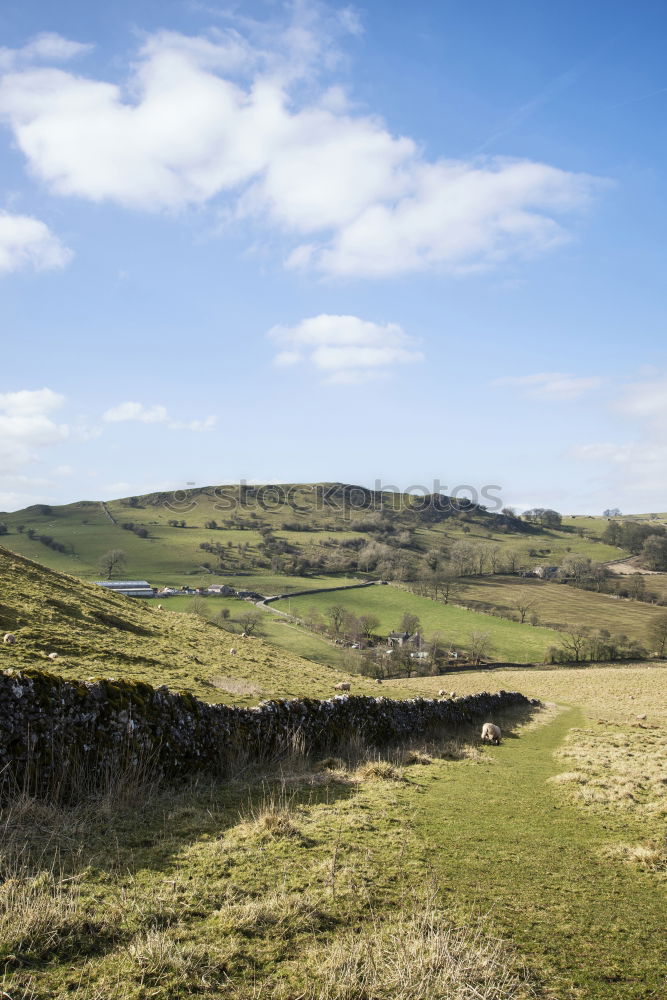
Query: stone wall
55 733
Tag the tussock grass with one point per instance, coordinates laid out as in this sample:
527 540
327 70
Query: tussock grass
651 856
379 770
421 957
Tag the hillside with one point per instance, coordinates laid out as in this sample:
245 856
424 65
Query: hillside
271 533
96 633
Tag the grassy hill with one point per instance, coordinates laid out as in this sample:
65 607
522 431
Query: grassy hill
96 633
313 529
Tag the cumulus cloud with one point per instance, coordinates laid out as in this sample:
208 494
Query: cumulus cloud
345 349
222 115
552 385
27 242
157 414
27 426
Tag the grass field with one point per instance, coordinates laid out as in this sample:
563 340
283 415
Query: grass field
441 870
445 872
511 641
558 604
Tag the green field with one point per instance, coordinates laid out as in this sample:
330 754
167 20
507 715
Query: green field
512 642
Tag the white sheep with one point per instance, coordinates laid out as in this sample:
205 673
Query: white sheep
53 656
232 651
160 608
9 639
491 733
343 686
378 680
244 635
442 693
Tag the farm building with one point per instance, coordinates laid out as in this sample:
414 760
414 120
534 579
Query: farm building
130 588
222 589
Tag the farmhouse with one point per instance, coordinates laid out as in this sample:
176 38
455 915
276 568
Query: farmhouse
545 572
130 588
221 590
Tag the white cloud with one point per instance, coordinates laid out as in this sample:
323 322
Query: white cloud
214 115
46 47
155 415
552 385
647 400
637 466
28 242
26 427
136 411
345 349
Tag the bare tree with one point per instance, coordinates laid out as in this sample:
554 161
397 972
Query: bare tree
479 645
249 620
574 642
336 614
112 562
409 623
524 603
369 624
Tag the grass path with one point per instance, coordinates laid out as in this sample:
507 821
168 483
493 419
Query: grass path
502 841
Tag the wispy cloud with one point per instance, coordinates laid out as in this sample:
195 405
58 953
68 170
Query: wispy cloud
345 349
156 414
45 47
552 385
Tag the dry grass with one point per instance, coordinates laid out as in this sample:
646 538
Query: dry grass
237 686
421 957
379 770
651 856
614 767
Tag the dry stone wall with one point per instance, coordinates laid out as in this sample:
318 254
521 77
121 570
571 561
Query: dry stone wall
53 732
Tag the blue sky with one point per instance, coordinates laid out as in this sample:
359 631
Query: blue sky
299 242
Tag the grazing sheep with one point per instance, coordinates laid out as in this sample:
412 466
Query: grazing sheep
9 639
159 607
378 680
53 656
491 733
244 635
452 694
343 686
232 651
442 693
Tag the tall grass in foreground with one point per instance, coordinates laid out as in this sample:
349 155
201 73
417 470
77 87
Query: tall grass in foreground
272 884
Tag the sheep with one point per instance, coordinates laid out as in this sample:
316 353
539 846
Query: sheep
9 639
53 656
452 694
232 651
442 693
244 635
160 608
491 733
378 680
343 686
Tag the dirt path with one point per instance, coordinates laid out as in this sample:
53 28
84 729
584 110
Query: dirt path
502 842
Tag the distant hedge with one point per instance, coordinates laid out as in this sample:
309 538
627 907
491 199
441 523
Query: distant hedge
64 734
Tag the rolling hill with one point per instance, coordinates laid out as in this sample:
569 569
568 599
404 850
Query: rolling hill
96 633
